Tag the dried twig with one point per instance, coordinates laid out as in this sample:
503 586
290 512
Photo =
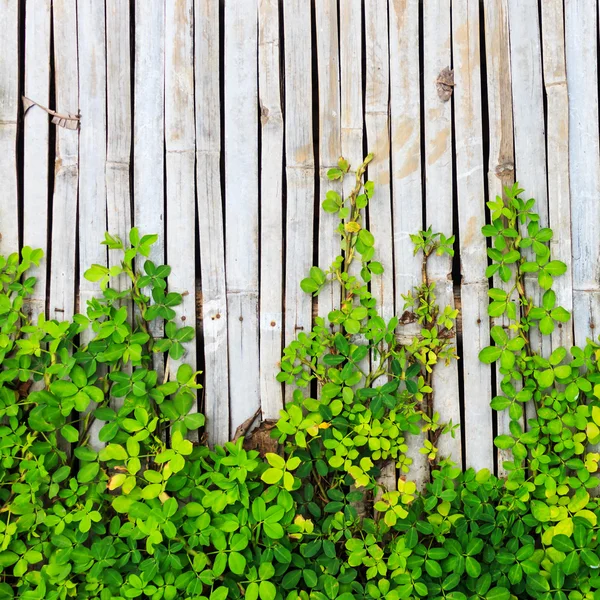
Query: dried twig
68 121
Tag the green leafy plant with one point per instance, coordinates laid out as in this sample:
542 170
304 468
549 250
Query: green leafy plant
104 495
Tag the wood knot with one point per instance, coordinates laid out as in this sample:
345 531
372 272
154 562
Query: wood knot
445 84
273 323
504 169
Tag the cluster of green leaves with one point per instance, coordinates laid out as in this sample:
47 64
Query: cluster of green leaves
104 494
364 410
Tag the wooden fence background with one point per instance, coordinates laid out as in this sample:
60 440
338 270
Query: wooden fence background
213 124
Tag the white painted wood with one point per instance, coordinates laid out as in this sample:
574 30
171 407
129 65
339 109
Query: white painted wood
584 166
91 52
148 135
351 84
66 166
405 115
271 200
180 163
35 149
378 142
210 212
530 142
559 198
470 187
118 141
439 204
9 107
351 107
241 207
501 150
330 141
300 168
91 48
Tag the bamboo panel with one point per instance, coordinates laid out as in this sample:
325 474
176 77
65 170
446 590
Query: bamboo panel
241 208
271 196
439 201
300 167
501 160
557 135
378 142
119 121
405 118
210 212
66 165
180 165
149 134
469 172
584 164
330 141
36 142
9 109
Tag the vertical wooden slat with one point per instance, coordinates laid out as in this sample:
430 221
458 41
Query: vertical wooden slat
148 134
91 51
180 164
210 212
471 216
351 106
118 142
271 198
528 115
9 109
439 203
584 165
559 198
405 114
36 134
501 147
66 167
300 167
378 142
241 207
351 85
330 142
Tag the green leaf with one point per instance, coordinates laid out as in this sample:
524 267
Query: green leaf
490 354
309 285
237 563
88 472
266 591
69 433
272 476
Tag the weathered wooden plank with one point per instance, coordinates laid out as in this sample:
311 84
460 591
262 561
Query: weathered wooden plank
91 48
378 142
35 144
241 207
180 164
584 166
330 142
91 51
300 168
210 211
118 140
405 114
528 115
559 198
66 167
9 108
439 202
271 197
469 173
501 147
351 84
148 134
351 105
